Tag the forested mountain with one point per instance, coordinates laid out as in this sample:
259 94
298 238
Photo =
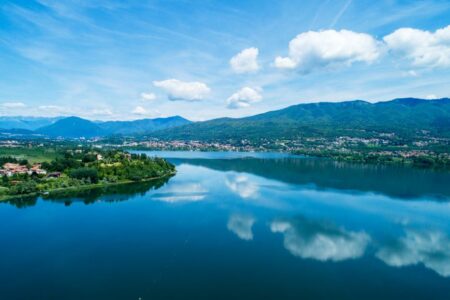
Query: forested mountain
406 117
74 127
141 126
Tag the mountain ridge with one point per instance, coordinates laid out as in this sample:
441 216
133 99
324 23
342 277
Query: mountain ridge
404 116
26 122
75 127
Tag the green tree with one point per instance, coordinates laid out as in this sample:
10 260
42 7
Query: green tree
85 173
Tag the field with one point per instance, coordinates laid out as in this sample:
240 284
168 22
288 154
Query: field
33 155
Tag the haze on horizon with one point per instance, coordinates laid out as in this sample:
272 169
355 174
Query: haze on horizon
112 60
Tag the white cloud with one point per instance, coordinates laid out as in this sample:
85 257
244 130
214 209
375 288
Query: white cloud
148 96
54 109
139 110
101 112
285 63
431 97
422 48
318 241
410 73
244 98
242 226
245 61
13 104
49 107
142 111
181 90
430 248
242 186
317 49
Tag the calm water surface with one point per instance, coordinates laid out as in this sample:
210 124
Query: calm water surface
236 226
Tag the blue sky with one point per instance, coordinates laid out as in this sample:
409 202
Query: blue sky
205 59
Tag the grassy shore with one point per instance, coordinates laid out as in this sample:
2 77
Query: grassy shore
83 187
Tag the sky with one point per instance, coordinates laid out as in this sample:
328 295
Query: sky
122 60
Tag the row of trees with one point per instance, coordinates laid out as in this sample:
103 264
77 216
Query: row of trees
10 159
420 161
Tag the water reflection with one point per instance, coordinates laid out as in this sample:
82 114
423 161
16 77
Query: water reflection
241 185
241 225
113 193
430 248
319 240
182 192
317 211
396 181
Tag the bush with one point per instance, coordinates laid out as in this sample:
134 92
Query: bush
85 173
25 187
3 190
423 161
89 158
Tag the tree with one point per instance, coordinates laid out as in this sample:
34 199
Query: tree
87 158
24 187
85 173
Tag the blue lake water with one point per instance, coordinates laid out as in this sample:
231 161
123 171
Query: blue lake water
236 226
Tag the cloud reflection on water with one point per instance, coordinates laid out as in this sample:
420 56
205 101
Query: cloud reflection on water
241 225
242 185
320 241
430 248
182 192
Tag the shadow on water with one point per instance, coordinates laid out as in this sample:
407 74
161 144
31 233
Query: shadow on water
113 193
394 181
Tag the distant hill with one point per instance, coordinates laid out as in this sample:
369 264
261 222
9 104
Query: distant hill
356 118
75 127
405 117
29 123
141 126
16 132
72 127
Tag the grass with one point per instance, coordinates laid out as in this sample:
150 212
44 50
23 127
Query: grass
33 155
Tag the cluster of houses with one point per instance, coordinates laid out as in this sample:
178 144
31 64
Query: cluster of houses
9 169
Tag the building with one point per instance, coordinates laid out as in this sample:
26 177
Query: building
54 175
10 169
36 169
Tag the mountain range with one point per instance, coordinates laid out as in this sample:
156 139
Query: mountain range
75 127
28 123
406 116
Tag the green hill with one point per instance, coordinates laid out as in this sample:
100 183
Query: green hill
72 127
141 126
404 117
75 127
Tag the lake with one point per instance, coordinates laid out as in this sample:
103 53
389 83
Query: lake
236 226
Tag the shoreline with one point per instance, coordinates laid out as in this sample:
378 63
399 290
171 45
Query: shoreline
407 163
83 187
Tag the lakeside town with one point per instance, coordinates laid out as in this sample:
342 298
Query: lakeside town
384 148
